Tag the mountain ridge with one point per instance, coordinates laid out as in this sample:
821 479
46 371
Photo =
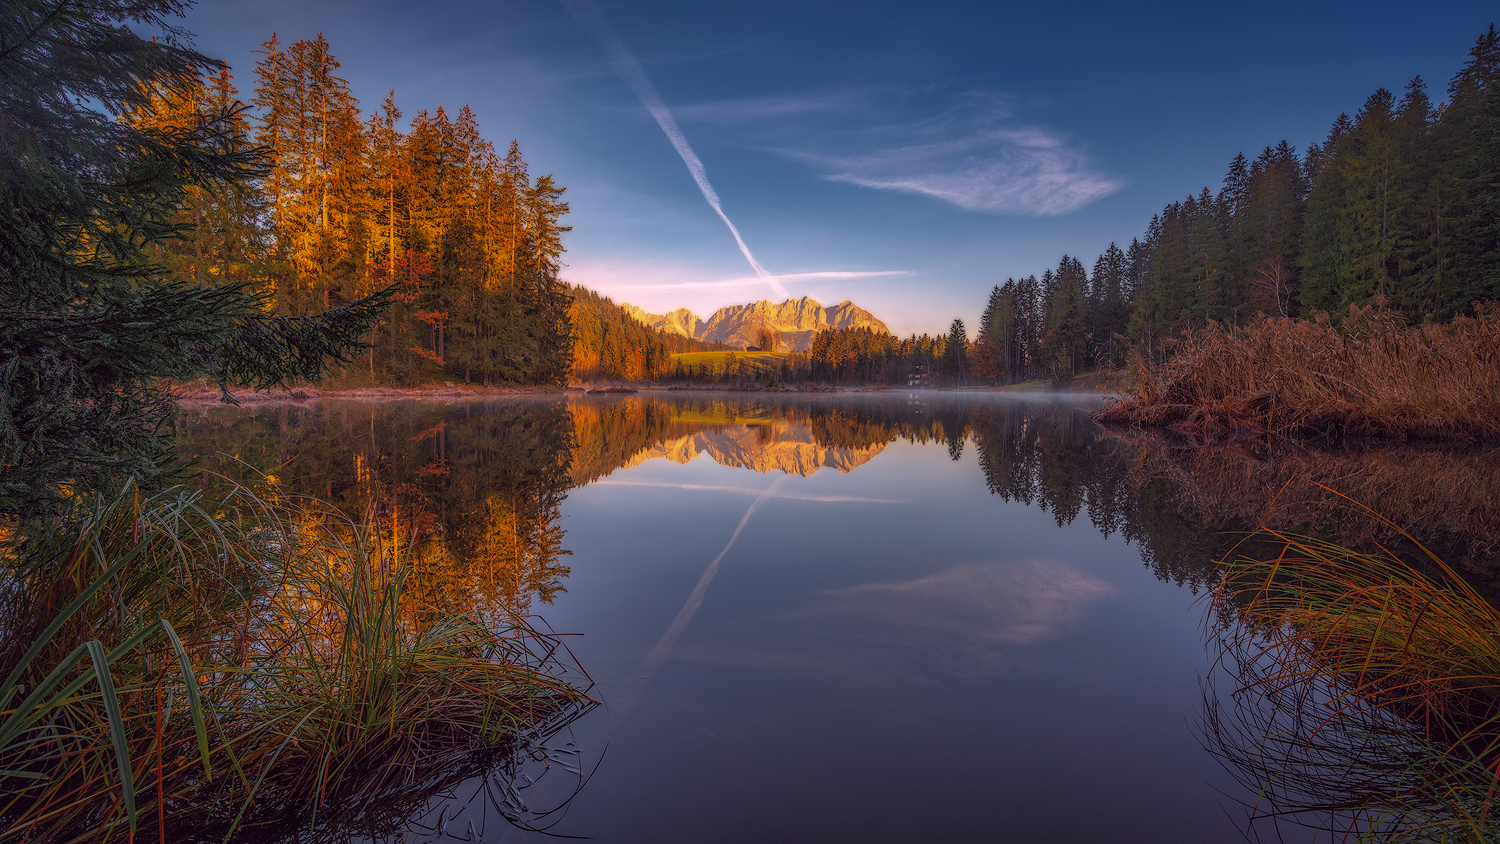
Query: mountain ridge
796 321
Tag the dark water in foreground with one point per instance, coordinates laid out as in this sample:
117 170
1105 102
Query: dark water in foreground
873 617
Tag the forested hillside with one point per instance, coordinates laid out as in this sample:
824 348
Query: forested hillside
349 203
866 356
609 343
1399 205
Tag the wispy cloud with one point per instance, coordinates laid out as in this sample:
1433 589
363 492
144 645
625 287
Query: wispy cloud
970 620
631 72
970 149
977 610
1007 171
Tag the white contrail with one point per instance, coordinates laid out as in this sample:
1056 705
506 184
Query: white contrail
632 693
589 16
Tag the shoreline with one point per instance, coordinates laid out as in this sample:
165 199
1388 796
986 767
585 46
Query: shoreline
1373 377
196 396
199 397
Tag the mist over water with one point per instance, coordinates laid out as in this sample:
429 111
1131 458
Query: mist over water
872 617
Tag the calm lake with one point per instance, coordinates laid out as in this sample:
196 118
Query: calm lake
849 617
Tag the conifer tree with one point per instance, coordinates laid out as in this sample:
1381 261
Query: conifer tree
956 353
1269 231
1472 139
1111 311
1215 294
89 325
222 240
1066 337
1028 326
1371 168
1325 239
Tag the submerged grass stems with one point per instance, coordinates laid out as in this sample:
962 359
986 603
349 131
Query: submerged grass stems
1363 693
1371 376
180 668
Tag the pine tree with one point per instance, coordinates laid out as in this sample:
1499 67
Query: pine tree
1371 167
222 240
310 124
1112 311
1066 337
1164 299
1215 293
1028 345
1472 124
1326 245
1236 191
956 353
996 324
1421 260
1268 234
88 324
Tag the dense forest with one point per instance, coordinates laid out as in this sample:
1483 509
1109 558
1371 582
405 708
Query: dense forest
838 356
347 204
1399 207
609 344
863 355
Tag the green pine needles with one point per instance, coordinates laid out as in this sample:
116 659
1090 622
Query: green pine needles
90 325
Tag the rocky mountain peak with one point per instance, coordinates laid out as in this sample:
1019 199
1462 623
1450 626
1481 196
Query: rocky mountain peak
798 321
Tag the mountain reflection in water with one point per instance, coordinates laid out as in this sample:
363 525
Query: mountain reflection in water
478 490
765 447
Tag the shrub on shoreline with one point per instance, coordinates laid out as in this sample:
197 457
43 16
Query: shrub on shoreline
1372 376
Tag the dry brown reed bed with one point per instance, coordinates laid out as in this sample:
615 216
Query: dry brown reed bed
1371 376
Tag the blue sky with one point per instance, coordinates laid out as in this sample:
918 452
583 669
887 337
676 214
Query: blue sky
904 156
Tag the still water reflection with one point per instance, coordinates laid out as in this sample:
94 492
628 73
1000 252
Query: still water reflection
872 617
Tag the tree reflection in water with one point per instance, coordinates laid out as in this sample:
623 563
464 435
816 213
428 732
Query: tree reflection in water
475 491
470 492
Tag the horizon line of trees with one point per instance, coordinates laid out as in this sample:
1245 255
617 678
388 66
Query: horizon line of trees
1398 207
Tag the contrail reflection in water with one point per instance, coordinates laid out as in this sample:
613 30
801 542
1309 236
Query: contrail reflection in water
637 686
767 493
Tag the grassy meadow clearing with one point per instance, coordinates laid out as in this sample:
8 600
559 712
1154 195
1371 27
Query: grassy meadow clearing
755 364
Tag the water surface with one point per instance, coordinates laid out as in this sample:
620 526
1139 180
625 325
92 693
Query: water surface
872 617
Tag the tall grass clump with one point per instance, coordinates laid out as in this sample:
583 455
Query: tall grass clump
175 667
1363 693
1370 376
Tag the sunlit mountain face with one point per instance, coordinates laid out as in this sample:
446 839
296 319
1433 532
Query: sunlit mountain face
789 448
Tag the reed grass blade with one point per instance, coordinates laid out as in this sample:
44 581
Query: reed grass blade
117 736
195 700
